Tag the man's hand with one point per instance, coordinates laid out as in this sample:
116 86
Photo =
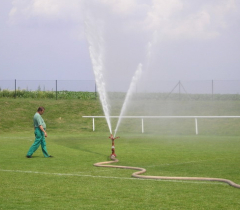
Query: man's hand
42 129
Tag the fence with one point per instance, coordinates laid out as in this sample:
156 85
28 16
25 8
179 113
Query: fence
163 117
209 87
49 85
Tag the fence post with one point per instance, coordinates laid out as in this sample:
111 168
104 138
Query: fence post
196 126
179 93
95 91
212 89
142 126
56 89
15 95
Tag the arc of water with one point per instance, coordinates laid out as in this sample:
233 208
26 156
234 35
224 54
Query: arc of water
132 86
96 50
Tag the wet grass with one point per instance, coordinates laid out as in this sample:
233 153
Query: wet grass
70 181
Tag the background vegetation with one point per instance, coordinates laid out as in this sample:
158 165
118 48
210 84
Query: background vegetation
39 94
47 94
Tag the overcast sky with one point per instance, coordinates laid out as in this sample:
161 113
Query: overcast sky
173 39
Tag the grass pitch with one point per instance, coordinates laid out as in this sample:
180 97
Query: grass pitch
70 181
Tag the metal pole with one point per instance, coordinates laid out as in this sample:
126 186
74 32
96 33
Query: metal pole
179 89
172 90
15 89
113 155
56 90
93 124
212 89
142 126
196 126
95 91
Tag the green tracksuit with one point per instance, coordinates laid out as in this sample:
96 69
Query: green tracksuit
39 136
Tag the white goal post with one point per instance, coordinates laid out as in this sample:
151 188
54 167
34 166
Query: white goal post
163 117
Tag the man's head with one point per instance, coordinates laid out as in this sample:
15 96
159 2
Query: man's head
41 110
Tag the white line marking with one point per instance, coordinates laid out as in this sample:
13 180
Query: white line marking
106 177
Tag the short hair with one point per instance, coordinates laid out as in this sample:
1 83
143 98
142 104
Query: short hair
41 108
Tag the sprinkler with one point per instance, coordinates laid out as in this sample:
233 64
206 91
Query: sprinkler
113 155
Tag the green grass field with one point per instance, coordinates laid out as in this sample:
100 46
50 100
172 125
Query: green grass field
70 181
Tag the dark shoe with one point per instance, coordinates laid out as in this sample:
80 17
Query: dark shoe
50 156
28 156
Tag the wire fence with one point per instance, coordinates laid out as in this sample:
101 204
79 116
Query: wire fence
211 88
49 85
53 86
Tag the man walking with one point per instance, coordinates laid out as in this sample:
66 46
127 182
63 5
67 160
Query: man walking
40 134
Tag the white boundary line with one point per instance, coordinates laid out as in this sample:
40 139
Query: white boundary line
107 177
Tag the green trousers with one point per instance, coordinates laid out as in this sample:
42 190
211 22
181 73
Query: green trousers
39 139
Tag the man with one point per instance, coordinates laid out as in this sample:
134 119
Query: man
40 134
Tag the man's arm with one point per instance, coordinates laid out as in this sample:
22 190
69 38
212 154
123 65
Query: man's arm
41 128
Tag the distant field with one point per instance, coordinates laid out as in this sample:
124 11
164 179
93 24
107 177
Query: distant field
70 181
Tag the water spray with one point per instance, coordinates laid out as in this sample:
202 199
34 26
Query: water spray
113 155
129 94
94 34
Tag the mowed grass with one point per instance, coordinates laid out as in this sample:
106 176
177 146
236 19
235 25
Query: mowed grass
70 181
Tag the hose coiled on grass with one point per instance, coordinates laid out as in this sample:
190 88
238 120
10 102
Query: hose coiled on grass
143 170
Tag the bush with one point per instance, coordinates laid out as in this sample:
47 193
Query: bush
47 94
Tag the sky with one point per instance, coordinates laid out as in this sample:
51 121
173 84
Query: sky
173 40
